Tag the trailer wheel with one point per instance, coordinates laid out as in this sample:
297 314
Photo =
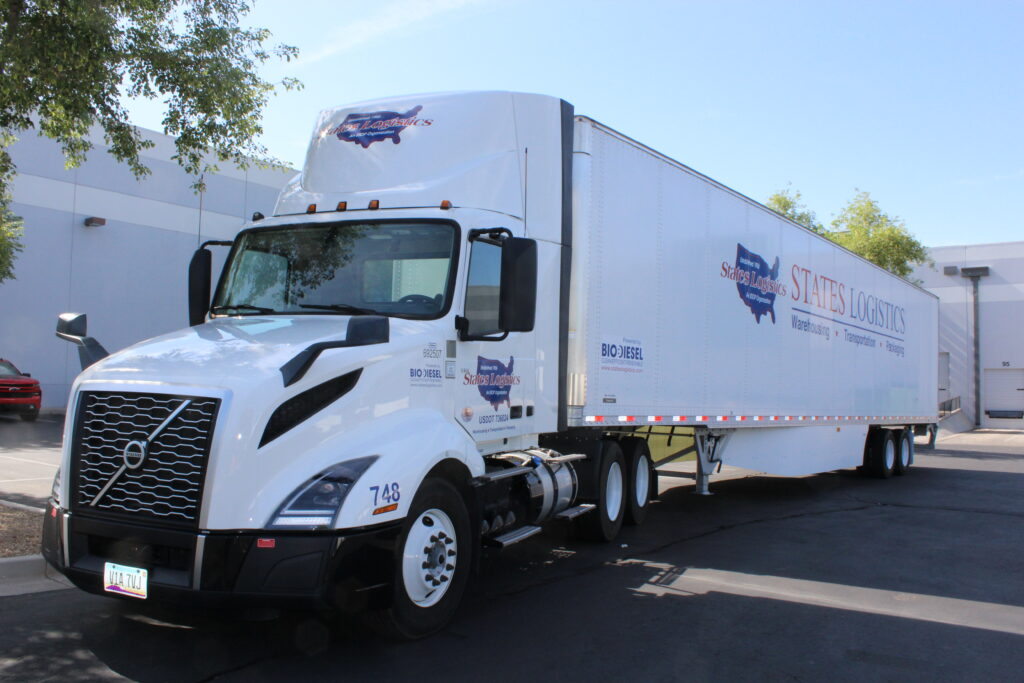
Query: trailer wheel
904 451
881 455
642 483
604 523
432 565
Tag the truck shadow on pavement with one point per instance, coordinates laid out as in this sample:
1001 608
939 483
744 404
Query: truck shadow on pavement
829 576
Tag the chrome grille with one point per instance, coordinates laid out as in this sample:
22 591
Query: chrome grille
167 486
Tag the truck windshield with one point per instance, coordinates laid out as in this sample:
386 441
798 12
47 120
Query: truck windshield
396 269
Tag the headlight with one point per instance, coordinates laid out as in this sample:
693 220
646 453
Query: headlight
315 504
55 489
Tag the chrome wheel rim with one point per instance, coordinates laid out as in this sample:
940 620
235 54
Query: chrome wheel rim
890 453
643 481
429 558
613 491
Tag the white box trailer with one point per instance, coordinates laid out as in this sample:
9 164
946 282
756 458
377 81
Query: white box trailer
470 315
694 305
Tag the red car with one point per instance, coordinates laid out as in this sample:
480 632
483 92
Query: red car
19 392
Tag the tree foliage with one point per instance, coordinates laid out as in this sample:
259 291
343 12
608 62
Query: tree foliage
68 65
788 203
862 227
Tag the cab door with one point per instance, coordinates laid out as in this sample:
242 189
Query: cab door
496 349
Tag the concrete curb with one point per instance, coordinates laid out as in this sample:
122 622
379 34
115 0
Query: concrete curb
21 506
29 574
22 567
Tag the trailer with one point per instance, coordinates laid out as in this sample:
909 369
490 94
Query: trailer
470 315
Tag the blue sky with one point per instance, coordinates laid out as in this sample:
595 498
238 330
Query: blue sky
919 103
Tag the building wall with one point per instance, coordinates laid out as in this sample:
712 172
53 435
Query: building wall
1001 326
129 275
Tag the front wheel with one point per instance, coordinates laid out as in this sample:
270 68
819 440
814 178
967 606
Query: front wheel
433 567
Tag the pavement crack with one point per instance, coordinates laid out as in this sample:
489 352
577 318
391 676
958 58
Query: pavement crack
238 667
950 508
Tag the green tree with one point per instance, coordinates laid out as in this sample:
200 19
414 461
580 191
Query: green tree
67 65
788 203
863 228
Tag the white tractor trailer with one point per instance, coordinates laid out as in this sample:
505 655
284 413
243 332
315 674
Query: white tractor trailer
469 315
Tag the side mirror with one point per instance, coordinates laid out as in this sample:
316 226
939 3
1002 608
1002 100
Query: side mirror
72 327
517 306
199 276
199 285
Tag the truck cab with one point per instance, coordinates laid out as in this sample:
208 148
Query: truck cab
329 426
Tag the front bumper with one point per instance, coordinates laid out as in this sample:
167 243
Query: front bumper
348 570
21 405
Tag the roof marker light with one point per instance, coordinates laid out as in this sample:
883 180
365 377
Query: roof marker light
374 204
445 205
311 208
341 206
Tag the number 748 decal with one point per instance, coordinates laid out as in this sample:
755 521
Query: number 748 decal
388 494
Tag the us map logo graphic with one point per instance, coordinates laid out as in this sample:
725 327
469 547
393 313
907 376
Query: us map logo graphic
757 283
366 128
494 380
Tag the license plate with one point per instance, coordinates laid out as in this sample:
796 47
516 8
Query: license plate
123 580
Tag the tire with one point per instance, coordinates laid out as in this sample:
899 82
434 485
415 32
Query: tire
904 451
642 480
605 521
30 415
424 599
881 453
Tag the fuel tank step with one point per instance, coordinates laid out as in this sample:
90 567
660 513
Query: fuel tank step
516 535
574 512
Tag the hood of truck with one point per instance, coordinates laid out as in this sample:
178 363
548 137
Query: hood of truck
240 353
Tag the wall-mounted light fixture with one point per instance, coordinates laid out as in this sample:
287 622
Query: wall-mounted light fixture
95 222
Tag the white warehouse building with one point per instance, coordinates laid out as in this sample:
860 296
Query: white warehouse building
99 241
981 330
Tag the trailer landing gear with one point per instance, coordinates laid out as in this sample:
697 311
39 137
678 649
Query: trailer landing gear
710 445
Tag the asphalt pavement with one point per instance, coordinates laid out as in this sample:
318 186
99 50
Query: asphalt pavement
29 457
828 577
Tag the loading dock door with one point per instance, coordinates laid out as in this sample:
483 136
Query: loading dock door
1003 398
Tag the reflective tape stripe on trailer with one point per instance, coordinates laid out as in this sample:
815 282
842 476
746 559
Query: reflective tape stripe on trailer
630 419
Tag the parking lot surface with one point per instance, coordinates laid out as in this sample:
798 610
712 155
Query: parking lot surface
827 577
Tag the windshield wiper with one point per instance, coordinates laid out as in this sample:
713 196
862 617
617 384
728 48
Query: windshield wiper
240 307
341 308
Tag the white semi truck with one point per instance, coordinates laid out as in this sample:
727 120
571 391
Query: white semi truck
468 316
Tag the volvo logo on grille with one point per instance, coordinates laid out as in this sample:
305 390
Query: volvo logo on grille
134 452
